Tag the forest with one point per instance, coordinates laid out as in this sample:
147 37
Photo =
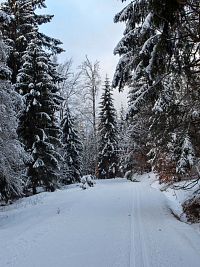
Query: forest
53 130
59 123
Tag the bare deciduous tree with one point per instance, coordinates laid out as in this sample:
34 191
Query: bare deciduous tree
91 83
69 87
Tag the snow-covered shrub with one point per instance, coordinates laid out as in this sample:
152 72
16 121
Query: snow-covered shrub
191 208
128 175
87 181
90 180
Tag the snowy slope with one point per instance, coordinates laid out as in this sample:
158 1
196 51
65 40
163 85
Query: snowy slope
115 224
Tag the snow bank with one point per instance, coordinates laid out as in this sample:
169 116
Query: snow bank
175 197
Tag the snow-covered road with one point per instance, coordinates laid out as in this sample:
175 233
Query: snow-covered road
115 224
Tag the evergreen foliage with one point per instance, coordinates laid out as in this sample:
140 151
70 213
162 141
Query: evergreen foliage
21 27
38 128
160 63
124 141
72 148
108 136
12 156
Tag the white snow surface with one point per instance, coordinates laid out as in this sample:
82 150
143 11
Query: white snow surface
177 196
117 223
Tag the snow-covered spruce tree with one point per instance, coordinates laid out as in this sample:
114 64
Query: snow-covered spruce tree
124 141
12 156
38 129
136 160
72 149
159 61
107 136
18 31
150 40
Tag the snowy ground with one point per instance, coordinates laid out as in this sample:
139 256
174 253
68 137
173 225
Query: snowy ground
176 196
115 224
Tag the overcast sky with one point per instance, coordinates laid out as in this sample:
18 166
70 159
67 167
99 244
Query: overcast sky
87 28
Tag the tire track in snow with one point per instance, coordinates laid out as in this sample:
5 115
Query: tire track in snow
132 248
138 250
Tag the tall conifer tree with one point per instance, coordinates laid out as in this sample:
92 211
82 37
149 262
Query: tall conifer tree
12 155
38 129
21 28
159 61
108 136
72 149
